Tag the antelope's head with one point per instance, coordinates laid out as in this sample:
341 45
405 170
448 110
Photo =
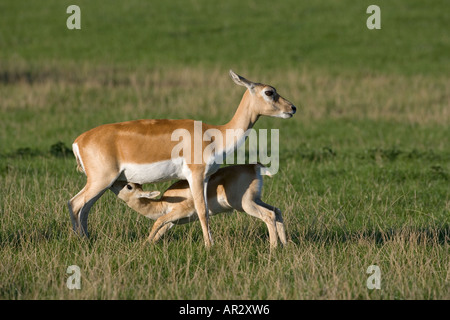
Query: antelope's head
264 99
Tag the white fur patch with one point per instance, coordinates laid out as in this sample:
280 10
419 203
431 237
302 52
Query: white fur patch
269 99
153 172
76 151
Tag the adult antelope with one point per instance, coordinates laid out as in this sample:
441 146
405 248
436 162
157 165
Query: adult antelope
141 151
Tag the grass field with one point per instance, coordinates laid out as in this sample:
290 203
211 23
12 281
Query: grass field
364 164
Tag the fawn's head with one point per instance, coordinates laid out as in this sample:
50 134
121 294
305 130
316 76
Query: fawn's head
128 191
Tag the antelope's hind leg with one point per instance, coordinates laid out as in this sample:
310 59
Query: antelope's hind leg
80 205
257 210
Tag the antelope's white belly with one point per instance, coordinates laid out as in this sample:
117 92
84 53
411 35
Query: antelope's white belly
153 172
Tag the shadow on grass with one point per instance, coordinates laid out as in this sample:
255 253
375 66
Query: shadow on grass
429 235
57 150
62 232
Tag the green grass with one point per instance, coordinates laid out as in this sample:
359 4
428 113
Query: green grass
252 34
364 164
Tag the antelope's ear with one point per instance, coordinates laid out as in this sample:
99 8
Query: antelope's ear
149 194
241 81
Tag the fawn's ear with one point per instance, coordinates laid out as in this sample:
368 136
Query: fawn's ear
149 194
242 81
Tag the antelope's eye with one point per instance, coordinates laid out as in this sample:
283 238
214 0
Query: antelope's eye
129 187
269 93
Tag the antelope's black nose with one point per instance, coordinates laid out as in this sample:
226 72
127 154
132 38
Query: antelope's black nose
294 109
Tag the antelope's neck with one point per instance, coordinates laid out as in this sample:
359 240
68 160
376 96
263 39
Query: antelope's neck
244 118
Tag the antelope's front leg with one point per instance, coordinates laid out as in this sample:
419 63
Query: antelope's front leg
158 230
165 222
198 184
